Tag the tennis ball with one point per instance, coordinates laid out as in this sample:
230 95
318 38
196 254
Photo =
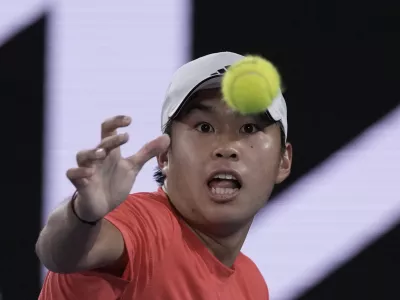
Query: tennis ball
250 85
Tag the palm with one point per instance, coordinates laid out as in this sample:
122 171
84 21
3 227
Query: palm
112 176
109 185
118 180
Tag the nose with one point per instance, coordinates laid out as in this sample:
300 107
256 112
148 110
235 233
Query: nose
226 152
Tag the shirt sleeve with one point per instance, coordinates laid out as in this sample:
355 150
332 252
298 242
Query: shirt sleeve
147 228
82 286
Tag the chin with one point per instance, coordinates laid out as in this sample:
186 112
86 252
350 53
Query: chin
224 224
226 212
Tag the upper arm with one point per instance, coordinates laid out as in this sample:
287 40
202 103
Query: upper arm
78 286
108 252
67 245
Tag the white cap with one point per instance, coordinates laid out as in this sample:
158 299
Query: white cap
203 73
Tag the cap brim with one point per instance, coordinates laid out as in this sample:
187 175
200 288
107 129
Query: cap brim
208 83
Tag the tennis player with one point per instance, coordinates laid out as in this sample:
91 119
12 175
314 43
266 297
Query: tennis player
217 169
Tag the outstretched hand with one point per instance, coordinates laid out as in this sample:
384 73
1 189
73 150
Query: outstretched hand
104 178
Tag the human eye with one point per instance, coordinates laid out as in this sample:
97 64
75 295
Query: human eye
204 127
249 128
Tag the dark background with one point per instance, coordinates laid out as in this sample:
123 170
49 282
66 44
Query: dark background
339 61
22 89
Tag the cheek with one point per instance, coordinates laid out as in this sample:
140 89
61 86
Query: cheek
263 174
186 158
263 155
267 143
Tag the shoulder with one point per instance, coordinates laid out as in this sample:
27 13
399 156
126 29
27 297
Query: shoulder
147 201
148 226
246 263
145 220
144 208
251 274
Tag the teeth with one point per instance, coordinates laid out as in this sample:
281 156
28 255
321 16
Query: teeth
223 191
225 176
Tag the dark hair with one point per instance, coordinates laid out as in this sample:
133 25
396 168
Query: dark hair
158 175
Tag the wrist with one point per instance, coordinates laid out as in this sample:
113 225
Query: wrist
76 212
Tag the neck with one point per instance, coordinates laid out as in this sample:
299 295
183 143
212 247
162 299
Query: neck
224 247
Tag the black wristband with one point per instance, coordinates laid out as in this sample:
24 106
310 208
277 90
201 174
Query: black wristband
74 196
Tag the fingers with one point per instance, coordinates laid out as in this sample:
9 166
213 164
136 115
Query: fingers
86 158
109 126
79 176
112 142
148 151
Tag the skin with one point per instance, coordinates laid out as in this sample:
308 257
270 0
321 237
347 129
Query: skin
209 136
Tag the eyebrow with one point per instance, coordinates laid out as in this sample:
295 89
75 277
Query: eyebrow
259 118
198 106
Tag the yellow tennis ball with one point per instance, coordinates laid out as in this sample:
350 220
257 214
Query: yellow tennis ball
250 85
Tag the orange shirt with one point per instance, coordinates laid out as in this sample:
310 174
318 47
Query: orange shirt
166 262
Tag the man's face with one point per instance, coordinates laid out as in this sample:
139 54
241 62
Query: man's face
222 166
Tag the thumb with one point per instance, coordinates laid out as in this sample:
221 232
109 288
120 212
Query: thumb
148 151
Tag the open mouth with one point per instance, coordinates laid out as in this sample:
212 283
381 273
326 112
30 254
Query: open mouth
224 184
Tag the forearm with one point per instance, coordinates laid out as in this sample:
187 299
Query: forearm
65 242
